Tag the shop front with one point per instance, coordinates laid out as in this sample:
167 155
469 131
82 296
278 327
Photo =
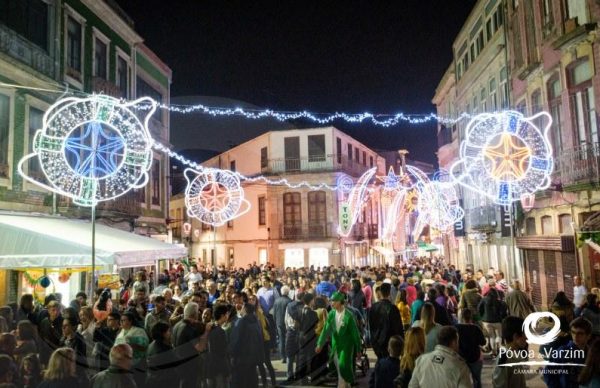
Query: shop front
48 254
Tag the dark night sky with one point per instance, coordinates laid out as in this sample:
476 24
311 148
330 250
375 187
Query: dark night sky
321 56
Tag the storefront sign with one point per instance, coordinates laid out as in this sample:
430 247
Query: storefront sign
345 221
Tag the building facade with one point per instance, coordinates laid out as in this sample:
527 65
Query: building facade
477 81
286 226
52 49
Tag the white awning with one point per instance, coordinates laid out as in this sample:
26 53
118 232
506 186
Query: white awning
44 241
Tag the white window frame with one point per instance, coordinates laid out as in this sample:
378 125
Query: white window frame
8 181
96 34
70 12
121 54
43 106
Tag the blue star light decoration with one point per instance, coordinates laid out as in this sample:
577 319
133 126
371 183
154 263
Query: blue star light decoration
505 156
93 149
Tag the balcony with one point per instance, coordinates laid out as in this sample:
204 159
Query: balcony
101 85
325 163
483 218
127 204
573 33
19 48
306 231
579 166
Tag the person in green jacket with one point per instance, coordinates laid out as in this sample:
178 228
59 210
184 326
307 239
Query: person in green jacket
345 339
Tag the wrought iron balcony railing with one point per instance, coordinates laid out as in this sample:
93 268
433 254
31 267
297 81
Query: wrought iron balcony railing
21 49
301 231
579 165
325 163
483 218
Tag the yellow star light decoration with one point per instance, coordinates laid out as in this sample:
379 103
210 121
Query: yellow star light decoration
509 160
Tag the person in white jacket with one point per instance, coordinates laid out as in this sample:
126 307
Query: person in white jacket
442 367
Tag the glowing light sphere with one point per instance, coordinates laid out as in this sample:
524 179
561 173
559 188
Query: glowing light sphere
214 196
344 184
505 155
356 199
93 149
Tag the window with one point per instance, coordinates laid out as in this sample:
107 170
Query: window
28 18
264 161
480 42
317 213
488 29
206 226
577 9
565 224
483 100
518 47
493 95
350 153
292 214
232 165
316 148
582 102
370 161
262 210
536 106
35 122
364 158
156 182
144 89
74 42
123 76
140 194
504 96
530 226
292 153
230 224
338 149
555 103
100 58
547 225
547 15
357 154
4 133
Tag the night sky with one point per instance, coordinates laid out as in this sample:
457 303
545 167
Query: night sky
321 56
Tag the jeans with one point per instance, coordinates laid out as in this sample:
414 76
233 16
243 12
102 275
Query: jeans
281 332
475 368
290 367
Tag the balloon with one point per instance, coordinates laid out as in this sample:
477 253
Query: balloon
44 281
64 277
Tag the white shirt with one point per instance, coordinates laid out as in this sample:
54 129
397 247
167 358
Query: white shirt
579 293
339 319
193 277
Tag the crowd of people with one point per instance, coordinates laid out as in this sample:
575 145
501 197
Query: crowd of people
428 324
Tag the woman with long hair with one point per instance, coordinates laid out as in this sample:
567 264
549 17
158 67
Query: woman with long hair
61 370
429 326
26 340
86 327
414 346
402 304
160 357
31 371
253 300
589 377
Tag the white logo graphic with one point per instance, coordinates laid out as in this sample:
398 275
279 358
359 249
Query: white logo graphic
532 321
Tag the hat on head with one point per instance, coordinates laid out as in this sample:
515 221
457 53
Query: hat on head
338 297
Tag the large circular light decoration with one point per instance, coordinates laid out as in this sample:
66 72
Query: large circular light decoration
93 149
505 155
214 196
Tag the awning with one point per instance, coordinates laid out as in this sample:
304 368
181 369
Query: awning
45 241
426 247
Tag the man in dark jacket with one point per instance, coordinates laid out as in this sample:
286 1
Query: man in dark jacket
50 331
279 307
384 322
218 368
246 347
292 323
470 339
119 372
307 338
104 339
185 337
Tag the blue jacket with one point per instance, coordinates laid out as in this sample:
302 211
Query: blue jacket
386 370
569 379
325 288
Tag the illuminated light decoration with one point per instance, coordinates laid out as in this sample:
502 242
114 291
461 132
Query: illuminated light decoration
527 201
394 213
92 149
214 196
438 206
260 178
383 120
391 181
411 201
356 198
186 228
505 155
344 184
